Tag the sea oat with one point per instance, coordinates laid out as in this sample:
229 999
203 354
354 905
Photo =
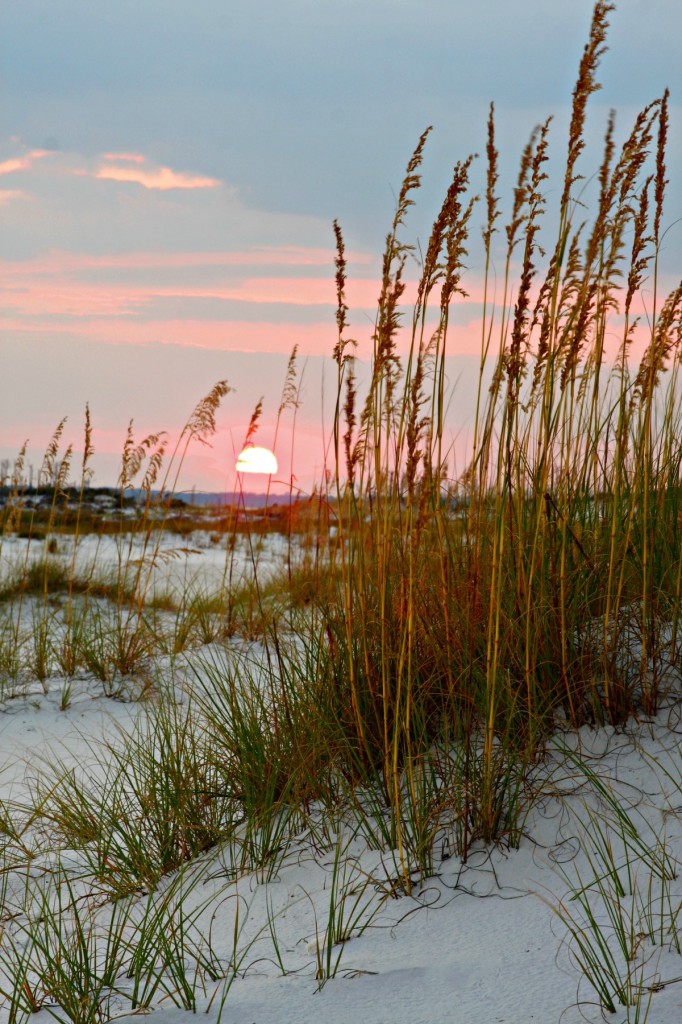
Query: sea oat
62 471
154 467
604 249
134 455
639 260
201 423
492 175
253 422
533 197
584 88
666 338
341 307
457 233
16 484
290 393
88 449
349 413
661 180
49 469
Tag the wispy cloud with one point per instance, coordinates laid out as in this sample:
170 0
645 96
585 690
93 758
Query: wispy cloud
8 194
23 162
16 164
26 291
117 203
134 168
133 158
124 167
78 284
264 337
58 261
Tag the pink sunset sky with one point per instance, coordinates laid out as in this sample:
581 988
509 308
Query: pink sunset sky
169 174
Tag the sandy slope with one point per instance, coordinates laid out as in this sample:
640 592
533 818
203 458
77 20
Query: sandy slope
475 944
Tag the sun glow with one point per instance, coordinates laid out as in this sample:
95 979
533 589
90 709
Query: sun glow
256 460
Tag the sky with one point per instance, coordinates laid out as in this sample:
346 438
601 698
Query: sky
170 172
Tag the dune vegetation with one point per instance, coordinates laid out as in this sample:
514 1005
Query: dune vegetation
420 641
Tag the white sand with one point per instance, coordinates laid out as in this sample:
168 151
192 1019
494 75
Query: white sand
477 943
170 560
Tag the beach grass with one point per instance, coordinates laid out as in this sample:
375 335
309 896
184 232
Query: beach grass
414 662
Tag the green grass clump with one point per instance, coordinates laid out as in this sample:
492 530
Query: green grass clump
144 807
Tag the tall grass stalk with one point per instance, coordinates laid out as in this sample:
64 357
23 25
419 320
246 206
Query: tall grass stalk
540 582
460 615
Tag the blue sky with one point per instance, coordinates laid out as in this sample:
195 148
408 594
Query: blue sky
169 172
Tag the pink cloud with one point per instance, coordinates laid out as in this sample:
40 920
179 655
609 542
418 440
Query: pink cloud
361 292
219 335
57 261
22 163
227 335
123 167
51 285
64 298
133 158
61 295
160 178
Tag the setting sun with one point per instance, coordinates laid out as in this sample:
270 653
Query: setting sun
256 460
